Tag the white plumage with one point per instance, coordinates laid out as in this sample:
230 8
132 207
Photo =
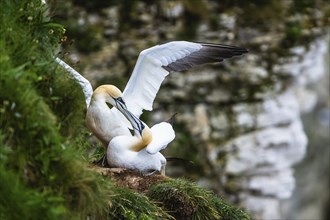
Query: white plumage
111 126
148 74
148 159
162 134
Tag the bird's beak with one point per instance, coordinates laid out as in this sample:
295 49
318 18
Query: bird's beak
120 104
136 123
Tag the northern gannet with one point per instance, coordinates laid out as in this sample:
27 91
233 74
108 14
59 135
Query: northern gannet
139 151
112 126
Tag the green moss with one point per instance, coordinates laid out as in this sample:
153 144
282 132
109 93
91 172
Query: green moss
42 173
185 200
17 200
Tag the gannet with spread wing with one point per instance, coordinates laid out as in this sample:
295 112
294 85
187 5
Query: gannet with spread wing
112 126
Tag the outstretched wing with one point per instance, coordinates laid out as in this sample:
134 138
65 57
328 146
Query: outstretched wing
162 135
83 82
155 63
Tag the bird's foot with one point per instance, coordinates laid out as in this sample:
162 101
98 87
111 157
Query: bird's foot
102 161
118 170
149 172
162 171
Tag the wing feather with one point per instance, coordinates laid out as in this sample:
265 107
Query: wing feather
155 63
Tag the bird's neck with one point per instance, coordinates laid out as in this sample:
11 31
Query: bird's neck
99 98
146 138
141 130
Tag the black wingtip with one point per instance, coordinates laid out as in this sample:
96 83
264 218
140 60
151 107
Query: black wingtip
208 53
240 50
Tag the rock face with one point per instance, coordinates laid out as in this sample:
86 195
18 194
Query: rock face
240 121
263 159
256 164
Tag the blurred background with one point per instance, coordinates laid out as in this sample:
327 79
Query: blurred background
256 127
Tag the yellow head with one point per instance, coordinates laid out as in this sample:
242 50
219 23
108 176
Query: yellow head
111 90
107 93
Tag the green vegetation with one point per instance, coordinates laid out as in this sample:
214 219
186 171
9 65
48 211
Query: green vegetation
127 204
41 173
186 200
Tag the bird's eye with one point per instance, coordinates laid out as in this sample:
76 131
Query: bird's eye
120 99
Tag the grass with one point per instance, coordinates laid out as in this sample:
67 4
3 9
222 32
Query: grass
186 200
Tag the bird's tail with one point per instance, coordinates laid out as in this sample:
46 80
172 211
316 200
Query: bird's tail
172 119
176 159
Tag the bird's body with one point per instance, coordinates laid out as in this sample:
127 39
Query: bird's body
111 126
141 153
120 153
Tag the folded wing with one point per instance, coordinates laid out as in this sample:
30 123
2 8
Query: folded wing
162 135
